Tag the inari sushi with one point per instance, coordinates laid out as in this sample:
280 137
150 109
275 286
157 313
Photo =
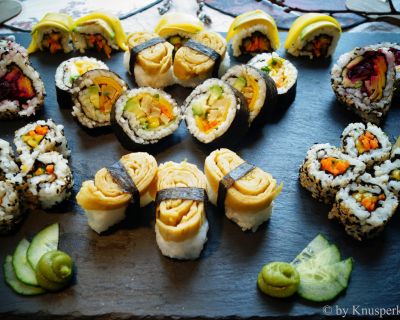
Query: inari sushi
22 91
178 27
257 87
149 60
364 207
70 70
144 116
326 169
368 143
363 80
313 35
106 198
244 192
282 71
52 33
11 212
8 167
99 31
49 181
199 58
181 222
216 113
253 32
94 94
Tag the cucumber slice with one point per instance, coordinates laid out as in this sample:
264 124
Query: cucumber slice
327 256
46 240
15 284
325 282
215 93
22 268
318 244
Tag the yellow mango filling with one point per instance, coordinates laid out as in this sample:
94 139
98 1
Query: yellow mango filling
104 93
276 72
34 137
152 111
368 200
248 86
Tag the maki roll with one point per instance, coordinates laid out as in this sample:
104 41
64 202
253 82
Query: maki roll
368 143
395 49
178 27
257 87
326 169
364 207
181 222
68 71
244 192
149 60
253 32
106 198
21 89
216 113
144 116
99 31
52 33
199 58
388 173
363 81
313 35
8 167
39 137
10 208
49 181
282 71
94 94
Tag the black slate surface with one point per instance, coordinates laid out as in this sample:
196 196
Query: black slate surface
123 274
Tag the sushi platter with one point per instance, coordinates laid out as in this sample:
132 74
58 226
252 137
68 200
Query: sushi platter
121 271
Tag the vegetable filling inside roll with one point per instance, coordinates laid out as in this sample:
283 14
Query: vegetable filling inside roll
15 85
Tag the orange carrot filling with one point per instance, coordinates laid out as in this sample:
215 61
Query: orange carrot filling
366 142
33 137
98 42
334 166
368 200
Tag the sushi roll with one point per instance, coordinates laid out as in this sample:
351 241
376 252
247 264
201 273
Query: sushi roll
326 169
99 31
364 207
199 58
181 223
68 71
149 60
49 181
388 173
216 113
313 35
52 33
39 137
367 143
253 32
10 208
106 198
22 91
257 87
395 49
144 116
94 94
244 192
8 167
178 27
282 71
363 81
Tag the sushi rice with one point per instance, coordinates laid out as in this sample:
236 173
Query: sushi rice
10 208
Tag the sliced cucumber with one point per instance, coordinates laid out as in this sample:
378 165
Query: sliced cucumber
45 241
22 268
325 257
325 282
239 83
215 93
318 244
15 284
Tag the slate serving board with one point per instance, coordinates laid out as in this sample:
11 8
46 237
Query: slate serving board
123 274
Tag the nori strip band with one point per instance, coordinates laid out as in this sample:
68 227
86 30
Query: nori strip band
228 181
214 55
139 48
181 193
124 180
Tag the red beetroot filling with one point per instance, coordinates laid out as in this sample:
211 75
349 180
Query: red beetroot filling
396 54
364 70
14 85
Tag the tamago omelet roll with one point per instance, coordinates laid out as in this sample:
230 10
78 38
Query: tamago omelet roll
106 198
52 33
313 35
242 190
181 223
149 60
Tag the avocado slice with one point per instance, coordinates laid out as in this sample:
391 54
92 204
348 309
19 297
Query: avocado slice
315 26
215 93
108 30
93 92
197 109
239 83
